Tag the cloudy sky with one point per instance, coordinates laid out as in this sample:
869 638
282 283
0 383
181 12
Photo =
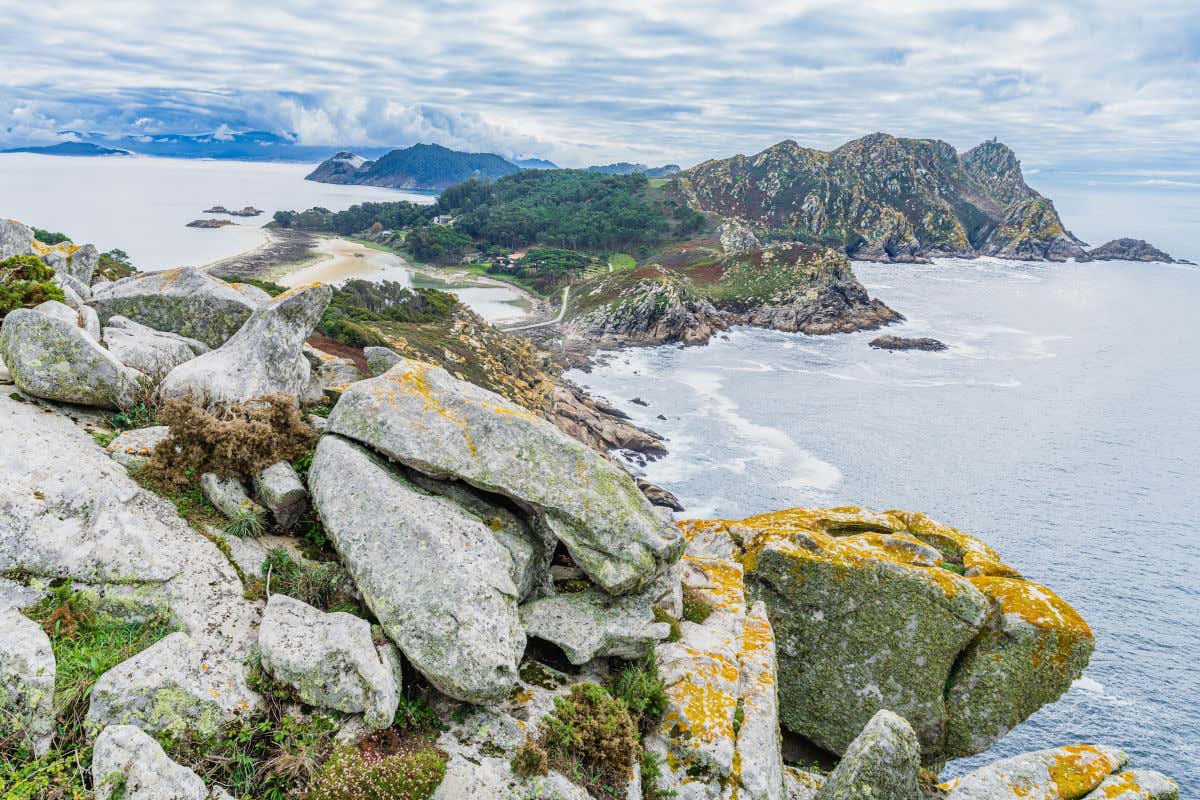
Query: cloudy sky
1083 89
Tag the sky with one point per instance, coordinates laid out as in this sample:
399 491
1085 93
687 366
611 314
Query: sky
1097 93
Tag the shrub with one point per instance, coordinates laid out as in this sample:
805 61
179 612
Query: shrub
324 585
50 237
642 690
352 774
26 282
695 608
530 760
270 287
234 440
591 738
114 265
662 616
651 772
272 756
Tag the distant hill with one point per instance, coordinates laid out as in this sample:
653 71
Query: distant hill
534 163
422 166
886 198
625 168
69 149
240 146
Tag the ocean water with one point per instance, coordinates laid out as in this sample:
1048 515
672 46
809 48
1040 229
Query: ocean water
142 205
1062 427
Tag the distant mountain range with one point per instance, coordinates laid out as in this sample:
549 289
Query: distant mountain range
625 168
885 198
69 149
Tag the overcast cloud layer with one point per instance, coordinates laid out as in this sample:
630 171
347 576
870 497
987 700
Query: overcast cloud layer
1073 87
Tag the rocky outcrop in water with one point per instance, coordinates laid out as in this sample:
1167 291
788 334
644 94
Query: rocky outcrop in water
1127 250
907 343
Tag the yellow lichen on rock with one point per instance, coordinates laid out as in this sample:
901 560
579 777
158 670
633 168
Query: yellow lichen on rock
1076 770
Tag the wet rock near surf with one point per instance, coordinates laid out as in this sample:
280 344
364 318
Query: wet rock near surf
907 343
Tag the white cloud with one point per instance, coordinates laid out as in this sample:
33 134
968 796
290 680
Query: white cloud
1070 85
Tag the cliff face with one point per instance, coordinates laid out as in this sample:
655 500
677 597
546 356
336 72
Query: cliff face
885 198
687 293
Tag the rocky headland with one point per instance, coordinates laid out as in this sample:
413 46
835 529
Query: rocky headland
885 198
1128 250
267 575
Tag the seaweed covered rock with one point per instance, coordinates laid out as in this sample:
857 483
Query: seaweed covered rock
419 415
881 763
432 572
1061 773
895 611
127 764
54 358
186 301
265 357
330 659
26 683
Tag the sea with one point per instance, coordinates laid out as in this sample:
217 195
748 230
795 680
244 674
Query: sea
1062 426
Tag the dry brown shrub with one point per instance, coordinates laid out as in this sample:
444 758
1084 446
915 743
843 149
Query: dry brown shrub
236 440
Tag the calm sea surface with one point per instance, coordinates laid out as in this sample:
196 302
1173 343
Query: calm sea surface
1062 426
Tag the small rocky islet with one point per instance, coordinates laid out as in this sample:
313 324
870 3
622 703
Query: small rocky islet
408 580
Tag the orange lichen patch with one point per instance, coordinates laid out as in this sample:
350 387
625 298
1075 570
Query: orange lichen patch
1059 626
701 712
977 557
851 534
1124 783
724 588
294 291
1078 769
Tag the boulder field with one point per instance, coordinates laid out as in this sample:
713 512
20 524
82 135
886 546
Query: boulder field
483 578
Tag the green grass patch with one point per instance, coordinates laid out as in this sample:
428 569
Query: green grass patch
621 261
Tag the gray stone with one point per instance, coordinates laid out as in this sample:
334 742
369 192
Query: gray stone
264 357
186 301
1036 774
5 375
530 545
334 373
70 285
229 496
171 686
432 573
127 764
56 360
81 265
16 239
882 763
60 311
801 785
591 623
153 352
381 359
317 422
131 449
89 320
26 683
419 415
1136 784
330 659
280 489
